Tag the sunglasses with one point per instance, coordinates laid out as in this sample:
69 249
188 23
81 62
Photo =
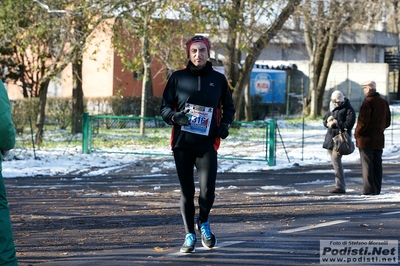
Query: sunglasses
197 38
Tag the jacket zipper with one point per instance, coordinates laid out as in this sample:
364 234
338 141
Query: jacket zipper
198 83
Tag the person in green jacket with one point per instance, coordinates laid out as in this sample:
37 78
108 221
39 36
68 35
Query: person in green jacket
7 142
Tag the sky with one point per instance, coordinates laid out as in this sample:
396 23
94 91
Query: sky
289 153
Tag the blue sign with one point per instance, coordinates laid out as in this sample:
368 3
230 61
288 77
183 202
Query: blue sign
269 83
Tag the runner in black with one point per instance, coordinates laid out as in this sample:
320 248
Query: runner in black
198 103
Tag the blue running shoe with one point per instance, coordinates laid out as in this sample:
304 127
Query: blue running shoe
189 246
208 239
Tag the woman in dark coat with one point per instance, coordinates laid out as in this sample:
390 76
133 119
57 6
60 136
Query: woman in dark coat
340 117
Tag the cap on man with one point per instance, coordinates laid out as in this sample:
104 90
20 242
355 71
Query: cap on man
370 84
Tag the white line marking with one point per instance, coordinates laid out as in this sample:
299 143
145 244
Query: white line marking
303 228
220 245
390 213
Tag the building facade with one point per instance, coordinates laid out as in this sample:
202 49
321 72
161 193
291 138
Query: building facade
359 56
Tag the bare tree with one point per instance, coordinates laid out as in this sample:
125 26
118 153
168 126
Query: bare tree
247 34
43 40
144 32
36 47
131 40
84 17
324 22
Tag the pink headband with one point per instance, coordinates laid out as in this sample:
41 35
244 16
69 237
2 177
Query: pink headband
198 38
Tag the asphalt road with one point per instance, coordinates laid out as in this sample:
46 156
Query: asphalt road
132 217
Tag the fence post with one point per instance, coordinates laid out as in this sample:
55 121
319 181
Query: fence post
271 141
85 133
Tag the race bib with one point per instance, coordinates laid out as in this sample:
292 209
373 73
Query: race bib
200 119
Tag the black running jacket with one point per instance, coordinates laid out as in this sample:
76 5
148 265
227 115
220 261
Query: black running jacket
205 87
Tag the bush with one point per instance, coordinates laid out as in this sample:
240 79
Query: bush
23 111
59 110
123 105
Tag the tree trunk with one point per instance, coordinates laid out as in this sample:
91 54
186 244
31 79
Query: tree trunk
243 81
326 66
42 113
247 99
77 96
146 82
313 91
22 79
232 52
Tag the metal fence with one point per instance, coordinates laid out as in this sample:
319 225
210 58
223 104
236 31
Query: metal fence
54 138
121 134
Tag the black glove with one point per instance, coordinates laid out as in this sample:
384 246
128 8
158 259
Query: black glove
181 119
223 131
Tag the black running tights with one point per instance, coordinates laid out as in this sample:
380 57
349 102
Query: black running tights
206 165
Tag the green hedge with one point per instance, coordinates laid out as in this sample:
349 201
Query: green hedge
59 110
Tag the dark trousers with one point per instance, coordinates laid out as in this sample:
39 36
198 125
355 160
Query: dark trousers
371 166
206 165
7 249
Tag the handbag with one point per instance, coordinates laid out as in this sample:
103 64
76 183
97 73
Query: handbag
342 143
